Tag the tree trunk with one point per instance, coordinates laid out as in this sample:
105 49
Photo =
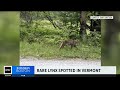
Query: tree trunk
91 26
82 31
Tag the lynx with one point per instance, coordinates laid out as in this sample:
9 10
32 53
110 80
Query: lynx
72 43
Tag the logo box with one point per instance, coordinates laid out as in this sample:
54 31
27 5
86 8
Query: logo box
22 70
7 69
19 70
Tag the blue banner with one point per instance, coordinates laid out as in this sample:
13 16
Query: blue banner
22 70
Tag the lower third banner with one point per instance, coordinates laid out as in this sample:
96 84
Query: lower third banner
22 71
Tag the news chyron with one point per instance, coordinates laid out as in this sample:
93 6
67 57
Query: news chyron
19 71
31 71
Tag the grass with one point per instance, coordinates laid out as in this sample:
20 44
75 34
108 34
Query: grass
8 59
52 51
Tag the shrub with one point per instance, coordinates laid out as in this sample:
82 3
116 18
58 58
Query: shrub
94 38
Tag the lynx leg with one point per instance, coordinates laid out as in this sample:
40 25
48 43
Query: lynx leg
61 46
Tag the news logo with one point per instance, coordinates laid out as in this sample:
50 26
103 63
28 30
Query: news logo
22 71
7 69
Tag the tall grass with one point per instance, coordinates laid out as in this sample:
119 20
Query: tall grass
52 51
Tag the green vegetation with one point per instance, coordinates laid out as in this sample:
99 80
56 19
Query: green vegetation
41 34
111 40
9 39
52 51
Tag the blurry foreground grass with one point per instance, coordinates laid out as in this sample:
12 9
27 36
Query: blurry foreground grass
9 39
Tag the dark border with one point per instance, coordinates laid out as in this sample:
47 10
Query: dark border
61 75
58 5
62 80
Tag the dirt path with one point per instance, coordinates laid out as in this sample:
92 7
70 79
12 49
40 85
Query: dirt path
53 63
